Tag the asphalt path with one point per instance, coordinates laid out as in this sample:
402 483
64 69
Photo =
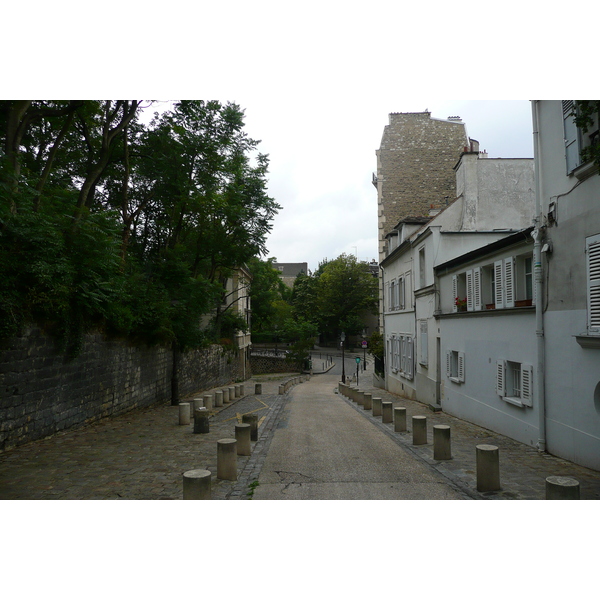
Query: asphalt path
324 449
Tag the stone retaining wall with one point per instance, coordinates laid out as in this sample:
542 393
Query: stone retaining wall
272 364
42 392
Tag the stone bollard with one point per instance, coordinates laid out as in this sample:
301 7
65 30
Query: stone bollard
252 419
376 407
488 468
208 401
201 423
242 437
196 404
281 389
184 413
226 399
238 391
562 488
399 418
232 395
368 401
441 442
360 398
387 416
196 485
257 389
419 423
227 459
219 398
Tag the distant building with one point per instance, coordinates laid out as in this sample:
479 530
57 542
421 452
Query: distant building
289 271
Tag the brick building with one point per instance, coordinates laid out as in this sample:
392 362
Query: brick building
415 164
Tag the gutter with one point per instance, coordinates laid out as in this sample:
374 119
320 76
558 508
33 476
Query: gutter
539 392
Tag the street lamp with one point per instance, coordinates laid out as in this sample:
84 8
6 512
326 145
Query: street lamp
343 338
364 345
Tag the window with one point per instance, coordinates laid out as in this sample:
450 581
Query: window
396 294
514 382
401 355
593 283
576 139
422 272
455 366
423 354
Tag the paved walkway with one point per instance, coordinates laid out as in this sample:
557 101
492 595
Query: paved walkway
143 454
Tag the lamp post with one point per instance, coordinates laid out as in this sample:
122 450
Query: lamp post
343 338
364 345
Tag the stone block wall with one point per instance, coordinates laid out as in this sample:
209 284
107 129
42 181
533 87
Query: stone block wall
415 166
272 364
43 392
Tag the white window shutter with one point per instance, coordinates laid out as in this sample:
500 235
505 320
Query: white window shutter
593 281
571 135
461 366
498 283
509 282
401 293
470 290
500 377
527 385
477 288
409 357
454 292
388 297
424 352
448 364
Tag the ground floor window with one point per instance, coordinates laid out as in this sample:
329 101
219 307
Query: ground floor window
514 382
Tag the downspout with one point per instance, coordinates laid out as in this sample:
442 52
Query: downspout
539 305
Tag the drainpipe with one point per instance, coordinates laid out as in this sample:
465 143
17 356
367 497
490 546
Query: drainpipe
539 305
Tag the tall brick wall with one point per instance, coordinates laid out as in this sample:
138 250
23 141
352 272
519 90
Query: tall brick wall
42 392
415 166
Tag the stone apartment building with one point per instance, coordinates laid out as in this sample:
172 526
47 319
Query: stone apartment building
415 170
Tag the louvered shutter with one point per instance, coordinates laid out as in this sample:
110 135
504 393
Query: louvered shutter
498 287
454 292
461 366
509 282
571 135
388 297
448 364
470 289
409 357
477 288
424 352
500 377
593 272
527 385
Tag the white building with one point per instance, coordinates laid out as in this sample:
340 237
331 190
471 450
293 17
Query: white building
568 250
495 198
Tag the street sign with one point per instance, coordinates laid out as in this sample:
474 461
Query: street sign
357 359
364 344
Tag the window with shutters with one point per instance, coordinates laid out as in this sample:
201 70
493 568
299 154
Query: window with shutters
514 382
455 366
402 355
422 268
593 284
576 139
395 294
423 350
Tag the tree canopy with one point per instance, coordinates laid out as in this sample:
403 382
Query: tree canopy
110 223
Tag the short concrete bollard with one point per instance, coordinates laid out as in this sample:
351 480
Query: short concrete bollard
227 459
242 437
208 401
387 416
441 442
252 419
201 422
399 418
562 488
360 398
226 399
232 395
219 398
196 404
196 485
368 402
281 389
184 413
376 407
257 389
419 423
488 468
238 391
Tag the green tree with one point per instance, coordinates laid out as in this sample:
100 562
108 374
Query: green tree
587 112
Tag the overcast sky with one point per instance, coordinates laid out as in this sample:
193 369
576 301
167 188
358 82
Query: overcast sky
322 157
